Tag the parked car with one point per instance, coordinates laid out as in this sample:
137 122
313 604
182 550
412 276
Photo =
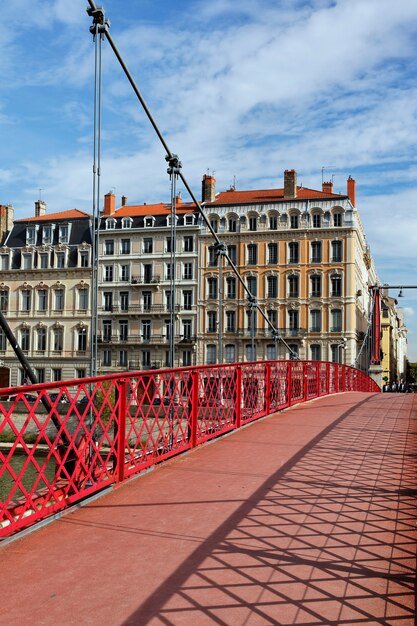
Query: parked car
62 397
27 396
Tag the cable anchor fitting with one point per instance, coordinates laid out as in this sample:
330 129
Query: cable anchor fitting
174 163
220 248
253 302
100 22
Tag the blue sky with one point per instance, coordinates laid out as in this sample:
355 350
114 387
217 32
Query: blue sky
245 89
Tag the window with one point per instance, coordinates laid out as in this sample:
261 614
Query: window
335 321
125 246
293 248
56 374
273 222
252 254
214 223
168 244
107 330
127 223
40 374
82 339
211 354
25 300
63 233
27 261
232 252
5 262
149 222
148 245
230 353
211 321
187 299
271 352
293 286
59 299
60 260
315 281
4 300
230 321
31 235
272 317
336 251
111 223
58 338
213 256
186 358
83 299
125 273
168 299
168 330
25 339
212 287
108 273
316 252
188 244
147 273
253 223
168 271
108 246
232 225
123 358
44 261
336 286
337 219
294 221
79 373
146 359
123 330
188 271
47 234
337 353
106 357
251 319
293 320
252 284
250 352
147 300
315 352
272 287
187 328
315 320
41 339
231 287
189 220
108 300
146 330
272 253
124 300
84 259
316 220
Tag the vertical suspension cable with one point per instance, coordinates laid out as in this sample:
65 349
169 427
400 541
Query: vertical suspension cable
173 270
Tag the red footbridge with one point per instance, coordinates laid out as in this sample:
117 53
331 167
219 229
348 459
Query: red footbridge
301 516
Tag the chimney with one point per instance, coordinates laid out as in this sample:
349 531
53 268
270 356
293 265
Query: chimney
40 208
351 190
327 187
6 219
109 203
124 200
178 200
208 193
290 184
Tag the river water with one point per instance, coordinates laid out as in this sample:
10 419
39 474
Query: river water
30 475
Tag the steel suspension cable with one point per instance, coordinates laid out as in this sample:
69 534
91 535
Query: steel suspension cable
98 14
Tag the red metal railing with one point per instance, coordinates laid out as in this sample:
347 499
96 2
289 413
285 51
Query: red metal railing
102 430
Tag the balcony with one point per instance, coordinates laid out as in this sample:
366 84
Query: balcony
145 279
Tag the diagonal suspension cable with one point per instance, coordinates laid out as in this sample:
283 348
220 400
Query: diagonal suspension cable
98 14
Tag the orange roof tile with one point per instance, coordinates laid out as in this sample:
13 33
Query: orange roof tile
71 214
269 195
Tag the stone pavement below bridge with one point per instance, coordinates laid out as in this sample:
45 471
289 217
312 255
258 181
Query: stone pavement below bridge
305 517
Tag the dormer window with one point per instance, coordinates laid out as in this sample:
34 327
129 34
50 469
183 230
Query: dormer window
189 220
31 235
111 223
126 222
149 222
47 234
63 235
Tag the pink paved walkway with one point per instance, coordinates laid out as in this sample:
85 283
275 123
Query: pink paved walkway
307 517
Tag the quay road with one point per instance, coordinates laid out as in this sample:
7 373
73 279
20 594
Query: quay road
304 517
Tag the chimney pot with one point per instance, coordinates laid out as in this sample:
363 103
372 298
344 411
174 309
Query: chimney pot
124 200
351 190
290 184
208 193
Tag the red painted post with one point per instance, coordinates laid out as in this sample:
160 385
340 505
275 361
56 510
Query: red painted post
267 388
238 397
289 381
318 379
305 380
194 407
121 428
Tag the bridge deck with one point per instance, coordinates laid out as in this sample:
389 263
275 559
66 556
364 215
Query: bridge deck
307 517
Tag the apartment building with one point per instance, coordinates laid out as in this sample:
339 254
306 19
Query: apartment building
303 256
393 340
148 270
45 288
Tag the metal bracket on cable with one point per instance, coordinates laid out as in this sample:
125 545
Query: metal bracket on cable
253 302
220 248
100 23
275 334
174 163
